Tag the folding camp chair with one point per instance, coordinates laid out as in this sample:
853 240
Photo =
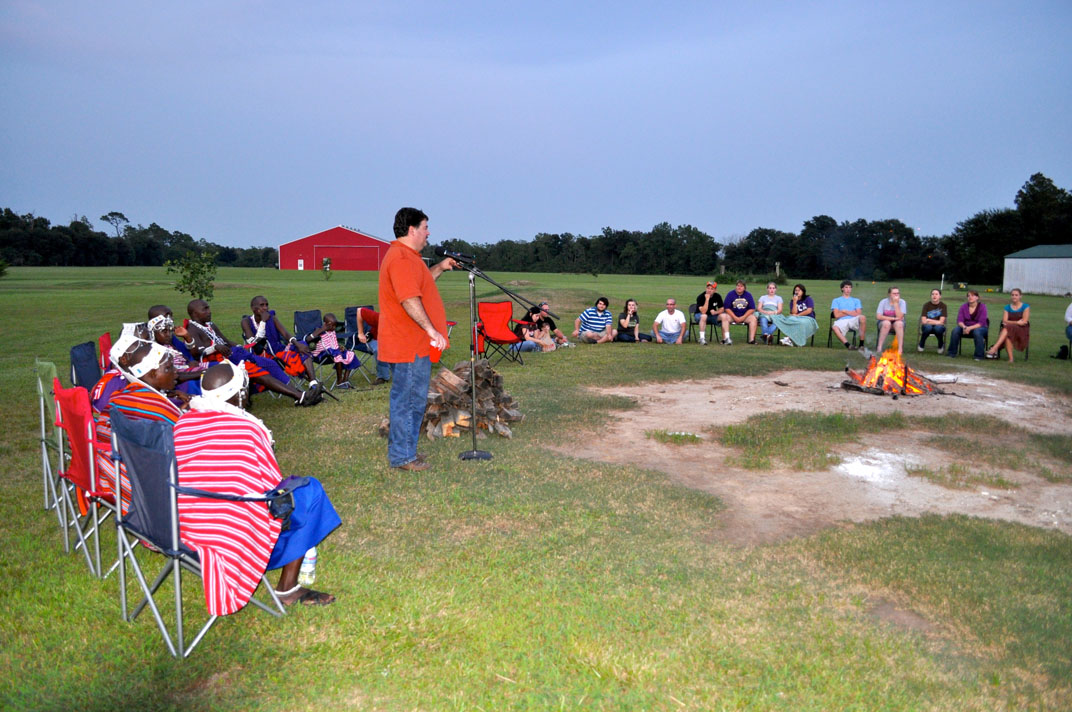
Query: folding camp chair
51 437
494 332
305 323
79 485
147 450
85 369
105 343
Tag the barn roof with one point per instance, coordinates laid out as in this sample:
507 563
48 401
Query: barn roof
343 227
1043 252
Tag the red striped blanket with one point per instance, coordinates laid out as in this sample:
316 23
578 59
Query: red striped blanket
226 453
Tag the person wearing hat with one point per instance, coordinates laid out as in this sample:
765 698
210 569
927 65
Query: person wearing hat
708 309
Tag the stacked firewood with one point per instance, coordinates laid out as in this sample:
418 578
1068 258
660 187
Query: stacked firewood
450 402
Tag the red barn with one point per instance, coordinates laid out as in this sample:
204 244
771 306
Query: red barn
347 248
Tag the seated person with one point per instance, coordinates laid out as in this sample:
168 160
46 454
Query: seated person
1068 323
210 346
973 321
848 314
932 321
222 448
629 325
266 335
767 306
112 381
328 343
552 328
1015 326
595 324
891 317
368 324
669 325
162 328
799 325
533 338
740 309
708 309
151 375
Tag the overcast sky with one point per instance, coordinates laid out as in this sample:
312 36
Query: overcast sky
254 123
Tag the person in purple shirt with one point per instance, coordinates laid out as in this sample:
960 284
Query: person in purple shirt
740 308
972 320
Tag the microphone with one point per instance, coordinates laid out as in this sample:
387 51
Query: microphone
456 256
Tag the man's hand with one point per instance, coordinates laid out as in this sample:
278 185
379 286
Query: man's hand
223 350
438 341
181 332
303 348
445 266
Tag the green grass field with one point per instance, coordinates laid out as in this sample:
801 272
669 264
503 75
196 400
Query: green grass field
534 581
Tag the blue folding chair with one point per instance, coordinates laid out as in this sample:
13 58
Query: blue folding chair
147 449
85 369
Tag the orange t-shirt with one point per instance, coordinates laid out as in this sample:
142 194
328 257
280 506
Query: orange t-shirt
404 275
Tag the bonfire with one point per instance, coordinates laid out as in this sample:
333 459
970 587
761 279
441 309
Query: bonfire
890 375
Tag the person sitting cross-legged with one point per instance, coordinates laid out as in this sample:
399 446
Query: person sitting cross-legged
595 324
740 309
629 325
221 448
932 321
669 325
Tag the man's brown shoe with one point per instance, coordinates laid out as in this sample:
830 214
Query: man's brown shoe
415 466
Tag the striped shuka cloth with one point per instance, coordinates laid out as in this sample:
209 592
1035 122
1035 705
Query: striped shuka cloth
135 401
329 342
226 453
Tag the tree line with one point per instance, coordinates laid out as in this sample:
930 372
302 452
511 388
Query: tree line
29 240
823 249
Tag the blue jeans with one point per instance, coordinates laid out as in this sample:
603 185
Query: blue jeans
383 370
766 324
980 341
669 337
525 346
927 329
1068 332
409 398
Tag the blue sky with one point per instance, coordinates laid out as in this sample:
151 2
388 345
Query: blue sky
254 123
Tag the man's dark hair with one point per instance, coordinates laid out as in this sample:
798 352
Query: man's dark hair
158 309
606 302
846 283
407 218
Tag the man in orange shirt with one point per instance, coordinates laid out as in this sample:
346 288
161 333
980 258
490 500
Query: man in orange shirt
413 322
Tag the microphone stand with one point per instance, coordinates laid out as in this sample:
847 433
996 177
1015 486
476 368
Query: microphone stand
475 272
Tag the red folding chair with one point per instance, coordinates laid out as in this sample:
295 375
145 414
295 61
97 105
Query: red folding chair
494 332
105 343
79 478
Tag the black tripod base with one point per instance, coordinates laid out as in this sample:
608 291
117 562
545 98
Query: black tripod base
475 455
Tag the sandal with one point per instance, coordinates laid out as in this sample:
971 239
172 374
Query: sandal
308 597
991 356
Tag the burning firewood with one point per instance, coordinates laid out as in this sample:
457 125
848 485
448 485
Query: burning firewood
450 408
890 375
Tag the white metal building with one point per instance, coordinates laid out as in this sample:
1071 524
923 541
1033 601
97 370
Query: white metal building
1042 269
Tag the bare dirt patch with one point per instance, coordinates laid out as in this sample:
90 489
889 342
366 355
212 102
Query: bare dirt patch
870 482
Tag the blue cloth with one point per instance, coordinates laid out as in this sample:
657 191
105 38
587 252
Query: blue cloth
927 329
1068 332
409 398
313 519
846 304
980 341
525 346
594 320
669 337
767 324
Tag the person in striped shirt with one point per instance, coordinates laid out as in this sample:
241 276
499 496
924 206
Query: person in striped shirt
221 448
595 324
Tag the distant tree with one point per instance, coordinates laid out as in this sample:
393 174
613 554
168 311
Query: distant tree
115 219
196 271
1045 212
3 268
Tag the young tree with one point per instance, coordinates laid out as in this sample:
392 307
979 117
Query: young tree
197 271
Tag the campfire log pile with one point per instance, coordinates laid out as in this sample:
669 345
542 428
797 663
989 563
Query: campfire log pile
889 375
450 404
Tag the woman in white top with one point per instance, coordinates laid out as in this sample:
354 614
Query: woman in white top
766 307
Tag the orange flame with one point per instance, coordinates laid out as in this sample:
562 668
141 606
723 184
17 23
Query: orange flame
891 375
